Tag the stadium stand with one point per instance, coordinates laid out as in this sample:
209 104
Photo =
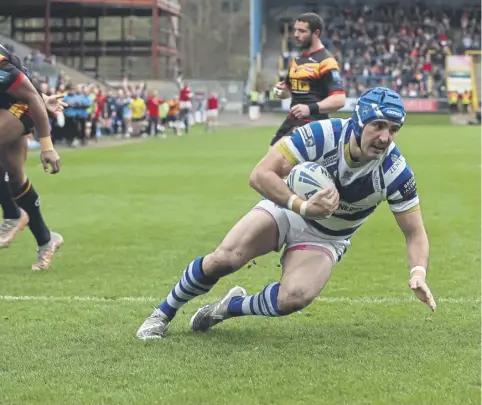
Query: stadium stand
402 48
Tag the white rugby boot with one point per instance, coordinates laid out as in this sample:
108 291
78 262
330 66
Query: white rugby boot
154 327
210 315
45 253
9 229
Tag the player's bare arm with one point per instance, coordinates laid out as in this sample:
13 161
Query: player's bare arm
330 104
411 224
267 179
26 92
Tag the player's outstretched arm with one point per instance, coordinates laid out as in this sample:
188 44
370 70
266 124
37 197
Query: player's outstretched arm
411 224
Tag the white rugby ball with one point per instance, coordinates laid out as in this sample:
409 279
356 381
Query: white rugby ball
307 178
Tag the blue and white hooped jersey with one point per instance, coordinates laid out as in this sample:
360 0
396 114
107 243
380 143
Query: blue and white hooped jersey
362 188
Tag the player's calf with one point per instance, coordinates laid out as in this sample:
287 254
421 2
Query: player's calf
306 270
48 242
293 298
225 260
27 198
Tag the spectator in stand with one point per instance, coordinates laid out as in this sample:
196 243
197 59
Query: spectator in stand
400 46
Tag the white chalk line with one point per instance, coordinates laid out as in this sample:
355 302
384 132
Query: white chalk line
207 299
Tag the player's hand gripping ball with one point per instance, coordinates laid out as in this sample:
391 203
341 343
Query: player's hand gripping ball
313 183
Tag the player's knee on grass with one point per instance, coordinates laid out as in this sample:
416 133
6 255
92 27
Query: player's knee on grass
293 298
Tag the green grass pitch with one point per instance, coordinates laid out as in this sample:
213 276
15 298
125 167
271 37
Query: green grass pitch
133 216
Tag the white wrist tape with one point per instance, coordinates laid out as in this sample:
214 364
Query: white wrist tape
418 268
290 202
303 206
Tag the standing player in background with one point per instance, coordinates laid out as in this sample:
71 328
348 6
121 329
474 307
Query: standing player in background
83 114
367 167
212 112
71 127
90 111
120 108
163 110
199 107
127 114
110 114
153 103
313 80
21 109
99 102
185 104
138 113
173 115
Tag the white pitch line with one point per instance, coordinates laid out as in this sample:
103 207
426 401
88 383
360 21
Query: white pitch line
207 299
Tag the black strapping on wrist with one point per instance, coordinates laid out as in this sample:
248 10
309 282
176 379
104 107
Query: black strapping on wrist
314 108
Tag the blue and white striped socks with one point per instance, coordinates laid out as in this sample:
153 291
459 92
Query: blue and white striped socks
264 303
192 284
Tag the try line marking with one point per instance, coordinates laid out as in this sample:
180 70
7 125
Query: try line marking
208 300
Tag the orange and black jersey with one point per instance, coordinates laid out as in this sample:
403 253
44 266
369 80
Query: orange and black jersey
313 77
11 73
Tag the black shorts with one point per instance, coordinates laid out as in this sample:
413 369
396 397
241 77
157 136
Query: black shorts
172 118
20 110
287 127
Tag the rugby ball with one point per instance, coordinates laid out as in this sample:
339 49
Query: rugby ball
307 178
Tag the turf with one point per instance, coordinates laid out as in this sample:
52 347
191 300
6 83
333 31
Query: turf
134 216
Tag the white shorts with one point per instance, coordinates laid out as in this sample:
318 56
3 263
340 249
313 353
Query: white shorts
185 105
212 113
296 234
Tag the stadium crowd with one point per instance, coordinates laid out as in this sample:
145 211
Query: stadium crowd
129 110
396 47
391 46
